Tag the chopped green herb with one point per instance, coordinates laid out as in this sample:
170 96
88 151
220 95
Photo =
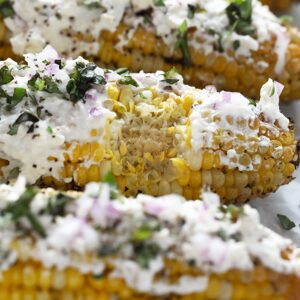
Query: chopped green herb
46 84
145 253
6 8
286 20
21 209
142 234
93 3
122 71
285 222
236 45
51 86
14 173
273 90
36 83
60 63
58 206
142 96
82 79
182 43
159 2
145 231
252 102
5 75
17 97
110 179
193 9
171 81
50 130
239 13
147 20
171 73
24 117
128 80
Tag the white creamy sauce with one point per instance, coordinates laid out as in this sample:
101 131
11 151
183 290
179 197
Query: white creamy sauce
269 104
70 237
40 22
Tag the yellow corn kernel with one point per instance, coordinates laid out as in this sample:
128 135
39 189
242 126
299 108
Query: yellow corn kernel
81 176
45 279
123 149
181 170
94 133
75 280
172 153
94 173
75 154
213 289
188 193
113 92
97 152
188 101
85 151
29 276
126 96
195 180
208 160
288 169
149 156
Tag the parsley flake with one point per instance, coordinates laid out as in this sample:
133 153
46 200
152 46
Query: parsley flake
285 222
182 43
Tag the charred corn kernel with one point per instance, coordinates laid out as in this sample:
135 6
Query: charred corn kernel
113 92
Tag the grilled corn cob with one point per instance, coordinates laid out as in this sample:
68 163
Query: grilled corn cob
98 245
235 46
278 5
67 123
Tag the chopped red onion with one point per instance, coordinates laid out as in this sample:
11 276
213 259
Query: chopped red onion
211 88
279 87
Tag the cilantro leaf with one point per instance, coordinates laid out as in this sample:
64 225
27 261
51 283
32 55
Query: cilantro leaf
24 117
182 43
16 98
285 222
6 8
82 79
159 3
21 209
239 13
5 75
128 80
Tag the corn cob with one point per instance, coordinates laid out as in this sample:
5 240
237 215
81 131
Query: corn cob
100 245
278 5
156 135
239 55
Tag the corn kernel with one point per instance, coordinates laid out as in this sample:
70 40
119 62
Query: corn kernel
113 91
